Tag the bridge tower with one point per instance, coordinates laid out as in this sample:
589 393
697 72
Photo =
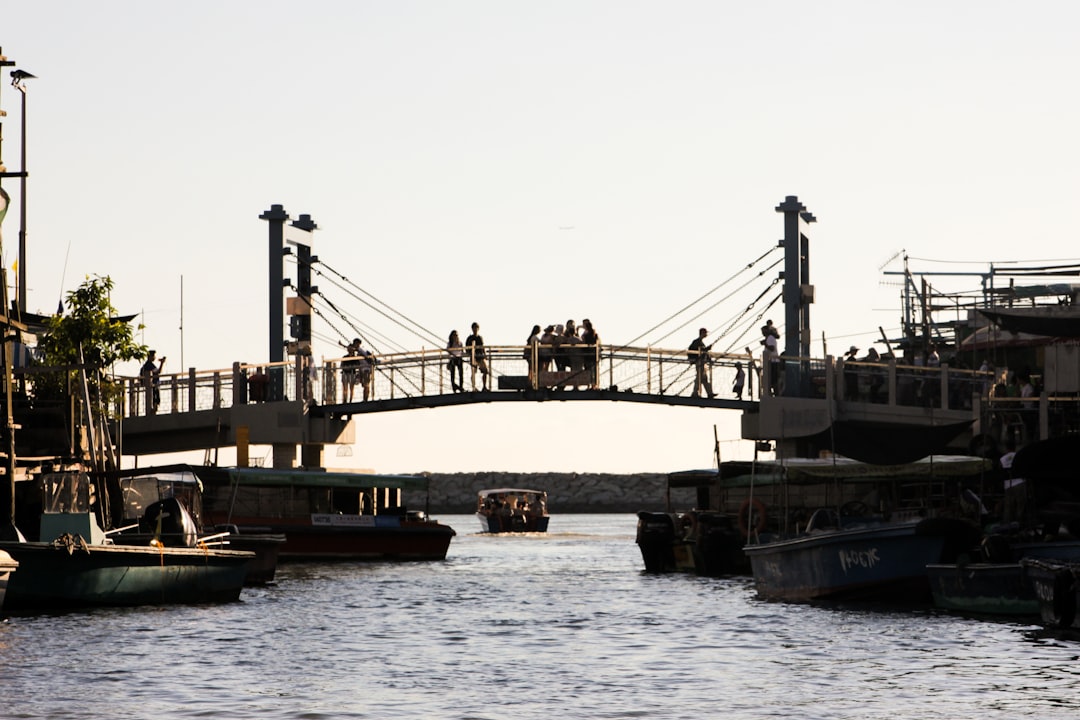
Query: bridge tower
798 292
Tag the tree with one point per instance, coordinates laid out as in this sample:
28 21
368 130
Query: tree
91 324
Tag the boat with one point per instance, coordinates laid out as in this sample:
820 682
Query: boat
982 588
325 515
512 510
74 563
731 504
873 539
148 499
1054 584
7 566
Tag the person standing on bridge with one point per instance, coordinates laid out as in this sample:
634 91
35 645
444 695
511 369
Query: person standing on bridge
699 353
350 369
475 345
364 367
151 377
454 362
591 339
740 380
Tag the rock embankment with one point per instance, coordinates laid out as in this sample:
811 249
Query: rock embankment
567 492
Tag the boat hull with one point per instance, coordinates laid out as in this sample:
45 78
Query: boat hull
512 524
397 540
1054 583
886 562
56 576
982 589
7 567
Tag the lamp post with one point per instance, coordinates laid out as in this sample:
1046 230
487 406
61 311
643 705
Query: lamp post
18 81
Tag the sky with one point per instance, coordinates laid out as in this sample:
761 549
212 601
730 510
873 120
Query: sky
516 163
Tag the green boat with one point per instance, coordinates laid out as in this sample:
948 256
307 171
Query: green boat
75 564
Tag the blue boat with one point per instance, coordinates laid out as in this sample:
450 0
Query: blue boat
857 561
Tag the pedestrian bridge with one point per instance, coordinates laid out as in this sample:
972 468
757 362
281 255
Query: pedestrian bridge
305 403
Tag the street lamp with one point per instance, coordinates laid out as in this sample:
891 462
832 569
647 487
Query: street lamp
18 81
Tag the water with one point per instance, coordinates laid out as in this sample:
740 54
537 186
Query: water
561 625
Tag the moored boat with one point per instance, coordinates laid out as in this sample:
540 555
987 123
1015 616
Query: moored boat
7 566
507 510
1054 583
326 515
982 588
74 564
164 504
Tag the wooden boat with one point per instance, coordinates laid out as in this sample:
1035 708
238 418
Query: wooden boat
325 515
874 540
146 508
74 564
506 510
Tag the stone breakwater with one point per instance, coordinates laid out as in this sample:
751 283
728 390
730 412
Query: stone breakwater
455 493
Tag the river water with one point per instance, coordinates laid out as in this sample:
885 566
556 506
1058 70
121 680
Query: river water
562 625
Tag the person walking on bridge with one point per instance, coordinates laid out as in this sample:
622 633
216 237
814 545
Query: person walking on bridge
699 354
475 345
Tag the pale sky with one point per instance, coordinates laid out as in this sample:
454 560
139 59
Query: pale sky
444 148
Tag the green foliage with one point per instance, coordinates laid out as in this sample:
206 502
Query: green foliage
90 322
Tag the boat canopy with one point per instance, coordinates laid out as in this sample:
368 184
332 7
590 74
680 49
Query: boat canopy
504 491
315 478
769 472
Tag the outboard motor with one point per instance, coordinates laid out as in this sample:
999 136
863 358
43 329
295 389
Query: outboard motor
656 539
170 522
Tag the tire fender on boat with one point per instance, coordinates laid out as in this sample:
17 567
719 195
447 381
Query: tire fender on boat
752 508
689 524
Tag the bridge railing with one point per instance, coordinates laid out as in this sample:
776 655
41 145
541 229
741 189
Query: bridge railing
425 372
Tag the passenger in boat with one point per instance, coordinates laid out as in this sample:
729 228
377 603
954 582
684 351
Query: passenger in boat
475 345
1014 503
151 377
740 380
702 361
454 362
591 340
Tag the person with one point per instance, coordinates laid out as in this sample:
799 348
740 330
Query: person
558 354
454 362
851 375
365 364
770 365
547 347
572 353
769 329
876 379
350 368
532 350
740 380
591 339
151 377
475 345
699 353
1014 504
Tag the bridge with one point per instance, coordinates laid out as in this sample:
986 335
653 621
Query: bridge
798 404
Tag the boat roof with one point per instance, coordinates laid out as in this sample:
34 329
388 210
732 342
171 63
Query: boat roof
503 491
740 473
264 477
